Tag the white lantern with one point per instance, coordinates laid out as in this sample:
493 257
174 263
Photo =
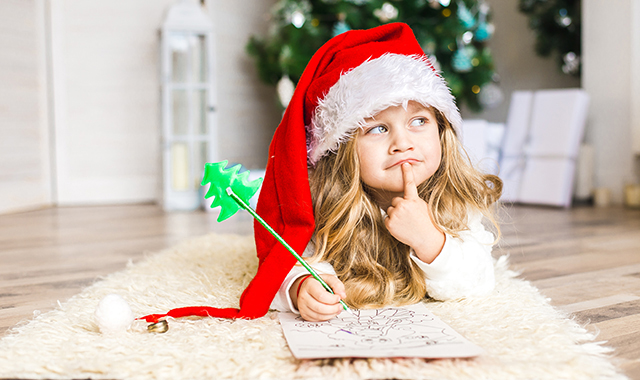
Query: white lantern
188 103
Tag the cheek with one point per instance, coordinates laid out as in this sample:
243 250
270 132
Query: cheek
367 173
363 162
433 155
370 165
431 144
363 150
366 155
437 154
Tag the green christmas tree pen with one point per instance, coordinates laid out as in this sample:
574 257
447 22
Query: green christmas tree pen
232 191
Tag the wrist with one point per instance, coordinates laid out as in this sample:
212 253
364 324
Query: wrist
305 278
294 290
431 247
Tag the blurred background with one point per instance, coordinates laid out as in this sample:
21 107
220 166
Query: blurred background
121 101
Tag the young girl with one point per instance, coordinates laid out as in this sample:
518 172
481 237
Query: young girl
396 204
367 177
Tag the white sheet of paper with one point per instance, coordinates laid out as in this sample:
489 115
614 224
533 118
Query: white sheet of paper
410 331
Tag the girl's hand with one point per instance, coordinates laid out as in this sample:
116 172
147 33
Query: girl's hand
409 220
314 302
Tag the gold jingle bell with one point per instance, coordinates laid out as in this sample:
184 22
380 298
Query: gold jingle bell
159 327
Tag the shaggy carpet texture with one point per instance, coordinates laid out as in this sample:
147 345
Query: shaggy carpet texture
523 335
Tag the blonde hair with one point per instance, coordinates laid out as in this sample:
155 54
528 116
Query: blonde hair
350 232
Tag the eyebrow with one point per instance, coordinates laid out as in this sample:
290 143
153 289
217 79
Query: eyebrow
419 107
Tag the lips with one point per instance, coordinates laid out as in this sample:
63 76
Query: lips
409 160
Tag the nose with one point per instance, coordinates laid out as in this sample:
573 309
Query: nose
400 141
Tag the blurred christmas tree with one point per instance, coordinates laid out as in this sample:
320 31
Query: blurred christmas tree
557 27
453 33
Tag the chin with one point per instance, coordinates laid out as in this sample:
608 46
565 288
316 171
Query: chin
392 190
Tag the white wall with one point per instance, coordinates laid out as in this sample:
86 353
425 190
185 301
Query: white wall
107 129
104 98
24 153
106 93
635 78
607 51
248 108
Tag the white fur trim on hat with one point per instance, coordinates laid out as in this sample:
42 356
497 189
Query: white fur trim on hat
390 80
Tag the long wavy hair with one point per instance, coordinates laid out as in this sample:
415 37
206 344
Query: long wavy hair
350 232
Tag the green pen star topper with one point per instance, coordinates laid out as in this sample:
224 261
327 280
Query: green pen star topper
232 191
224 182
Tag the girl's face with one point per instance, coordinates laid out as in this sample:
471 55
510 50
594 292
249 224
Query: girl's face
395 136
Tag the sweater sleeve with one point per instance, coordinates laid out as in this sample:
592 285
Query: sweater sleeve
464 268
282 300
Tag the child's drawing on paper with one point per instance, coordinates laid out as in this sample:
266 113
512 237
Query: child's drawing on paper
383 328
391 332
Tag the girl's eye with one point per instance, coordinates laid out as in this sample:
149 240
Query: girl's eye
418 122
377 129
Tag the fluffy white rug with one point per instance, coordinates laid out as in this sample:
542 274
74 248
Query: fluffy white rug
525 337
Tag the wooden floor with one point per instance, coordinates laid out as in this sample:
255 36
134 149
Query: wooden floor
587 260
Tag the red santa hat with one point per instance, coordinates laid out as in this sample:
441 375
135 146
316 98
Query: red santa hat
353 76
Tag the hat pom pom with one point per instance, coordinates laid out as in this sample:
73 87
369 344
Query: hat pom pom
113 314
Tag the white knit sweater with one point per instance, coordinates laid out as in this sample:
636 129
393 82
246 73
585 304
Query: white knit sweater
464 268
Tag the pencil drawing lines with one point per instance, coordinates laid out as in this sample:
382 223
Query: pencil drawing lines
377 329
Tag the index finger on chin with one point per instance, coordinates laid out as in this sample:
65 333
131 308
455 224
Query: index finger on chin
410 187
